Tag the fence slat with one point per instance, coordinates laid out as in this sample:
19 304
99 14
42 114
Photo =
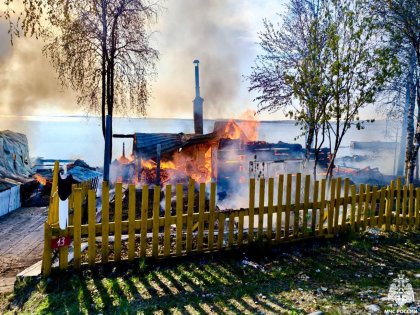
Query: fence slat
91 227
315 207
77 237
261 208
410 206
398 204
337 204
366 207
404 208
287 209
131 220
179 209
117 220
190 211
270 209
63 252
372 214
156 215
105 221
345 204
322 207
331 207
353 207
279 207
231 229
296 212
143 223
167 232
360 207
240 228
221 230
201 204
305 204
251 209
211 215
389 206
381 207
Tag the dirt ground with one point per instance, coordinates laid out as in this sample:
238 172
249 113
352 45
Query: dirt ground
21 243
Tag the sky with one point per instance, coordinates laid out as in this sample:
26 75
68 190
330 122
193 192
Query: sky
222 34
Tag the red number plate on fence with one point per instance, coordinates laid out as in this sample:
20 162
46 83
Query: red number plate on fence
60 242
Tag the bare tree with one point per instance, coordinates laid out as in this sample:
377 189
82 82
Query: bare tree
99 48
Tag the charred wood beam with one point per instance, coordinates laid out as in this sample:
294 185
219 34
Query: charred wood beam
123 136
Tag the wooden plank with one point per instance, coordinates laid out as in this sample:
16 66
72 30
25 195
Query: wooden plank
315 207
117 220
331 207
201 204
360 207
287 209
251 209
221 230
322 207
366 207
404 208
167 232
63 252
261 206
270 208
279 207
241 227
345 204
156 215
131 220
77 240
179 209
337 204
305 204
353 207
231 229
190 211
381 207
398 204
91 223
143 223
372 213
47 255
296 212
389 206
410 206
212 215
105 221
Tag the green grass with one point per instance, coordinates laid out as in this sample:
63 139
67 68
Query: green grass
331 276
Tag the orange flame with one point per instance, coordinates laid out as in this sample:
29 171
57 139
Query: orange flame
40 179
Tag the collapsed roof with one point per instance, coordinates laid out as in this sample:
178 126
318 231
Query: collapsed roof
14 154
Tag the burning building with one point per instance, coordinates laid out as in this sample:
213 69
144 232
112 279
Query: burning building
228 155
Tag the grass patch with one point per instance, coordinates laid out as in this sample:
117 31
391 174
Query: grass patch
335 276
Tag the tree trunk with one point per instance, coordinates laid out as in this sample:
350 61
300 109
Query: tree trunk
410 155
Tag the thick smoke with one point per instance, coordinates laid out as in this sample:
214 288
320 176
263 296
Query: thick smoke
204 30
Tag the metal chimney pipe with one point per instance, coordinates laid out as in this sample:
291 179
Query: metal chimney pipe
198 102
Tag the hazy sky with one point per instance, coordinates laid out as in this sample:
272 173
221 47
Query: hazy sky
221 33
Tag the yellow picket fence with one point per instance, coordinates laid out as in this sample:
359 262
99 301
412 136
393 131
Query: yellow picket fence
318 209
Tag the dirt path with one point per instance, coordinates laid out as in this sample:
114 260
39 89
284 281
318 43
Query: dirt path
21 243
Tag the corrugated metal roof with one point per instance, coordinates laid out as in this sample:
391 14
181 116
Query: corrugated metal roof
81 174
145 143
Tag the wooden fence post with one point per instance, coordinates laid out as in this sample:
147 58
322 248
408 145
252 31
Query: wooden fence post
144 217
389 206
296 212
190 211
288 206
91 227
105 221
381 207
315 207
179 225
270 209
345 204
77 240
168 208
279 207
322 207
331 207
337 205
117 221
353 207
201 205
131 220
47 255
261 209
306 204
155 225
251 209
398 204
211 215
